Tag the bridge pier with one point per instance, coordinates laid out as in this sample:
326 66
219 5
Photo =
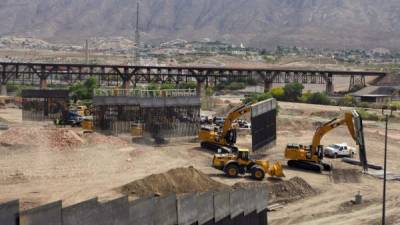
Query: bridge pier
199 88
267 85
43 83
126 84
329 88
3 90
329 84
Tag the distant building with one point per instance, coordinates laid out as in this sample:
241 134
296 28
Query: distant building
378 94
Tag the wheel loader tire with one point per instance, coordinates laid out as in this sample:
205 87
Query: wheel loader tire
232 170
257 173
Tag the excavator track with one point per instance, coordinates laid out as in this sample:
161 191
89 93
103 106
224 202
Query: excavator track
305 165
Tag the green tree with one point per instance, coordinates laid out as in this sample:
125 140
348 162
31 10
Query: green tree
166 86
153 86
83 91
293 91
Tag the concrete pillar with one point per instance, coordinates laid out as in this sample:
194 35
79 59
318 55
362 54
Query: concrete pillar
199 88
267 85
329 87
126 84
43 83
3 90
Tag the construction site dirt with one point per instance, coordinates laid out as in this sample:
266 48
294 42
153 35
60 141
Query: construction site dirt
40 164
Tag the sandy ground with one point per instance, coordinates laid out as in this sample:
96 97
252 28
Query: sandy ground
38 175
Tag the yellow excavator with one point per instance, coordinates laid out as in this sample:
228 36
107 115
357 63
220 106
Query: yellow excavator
239 163
224 138
310 157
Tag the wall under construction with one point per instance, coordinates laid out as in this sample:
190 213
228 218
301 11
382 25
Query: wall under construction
42 105
161 114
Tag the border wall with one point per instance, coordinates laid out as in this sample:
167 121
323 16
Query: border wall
244 206
159 114
43 105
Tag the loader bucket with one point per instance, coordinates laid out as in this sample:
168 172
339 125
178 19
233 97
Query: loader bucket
276 170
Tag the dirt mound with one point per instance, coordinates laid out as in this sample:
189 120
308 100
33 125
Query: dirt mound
291 190
179 180
284 191
54 138
95 139
58 138
346 176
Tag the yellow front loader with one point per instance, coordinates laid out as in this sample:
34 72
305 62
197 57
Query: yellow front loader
234 164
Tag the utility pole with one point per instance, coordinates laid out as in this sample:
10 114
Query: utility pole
136 55
87 51
387 112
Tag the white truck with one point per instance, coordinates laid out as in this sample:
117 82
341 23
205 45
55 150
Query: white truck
339 150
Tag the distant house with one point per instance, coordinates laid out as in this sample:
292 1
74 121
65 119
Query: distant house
378 94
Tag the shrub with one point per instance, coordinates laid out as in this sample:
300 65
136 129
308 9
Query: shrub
235 86
168 86
278 93
293 91
365 115
253 98
305 97
319 98
347 100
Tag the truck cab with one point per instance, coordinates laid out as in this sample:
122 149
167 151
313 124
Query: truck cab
339 150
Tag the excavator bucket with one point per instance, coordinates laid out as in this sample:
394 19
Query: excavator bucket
276 170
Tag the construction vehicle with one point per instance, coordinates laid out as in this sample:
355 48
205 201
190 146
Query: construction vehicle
234 164
224 138
310 157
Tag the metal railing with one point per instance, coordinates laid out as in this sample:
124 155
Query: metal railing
103 92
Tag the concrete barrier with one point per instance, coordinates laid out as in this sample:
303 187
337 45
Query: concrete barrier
262 199
205 207
237 202
187 209
227 207
115 212
142 211
49 214
251 201
84 213
221 205
166 211
9 212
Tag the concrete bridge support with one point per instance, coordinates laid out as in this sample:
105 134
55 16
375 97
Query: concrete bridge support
329 84
3 90
267 85
43 83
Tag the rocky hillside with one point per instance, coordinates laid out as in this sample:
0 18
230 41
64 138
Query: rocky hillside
266 23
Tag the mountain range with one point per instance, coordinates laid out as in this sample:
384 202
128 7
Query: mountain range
261 23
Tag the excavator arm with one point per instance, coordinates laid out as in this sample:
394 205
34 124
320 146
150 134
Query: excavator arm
353 121
327 127
232 116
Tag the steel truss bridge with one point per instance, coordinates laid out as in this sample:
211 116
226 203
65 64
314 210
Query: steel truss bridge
44 74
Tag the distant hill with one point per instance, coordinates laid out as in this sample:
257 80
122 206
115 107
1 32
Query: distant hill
263 23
